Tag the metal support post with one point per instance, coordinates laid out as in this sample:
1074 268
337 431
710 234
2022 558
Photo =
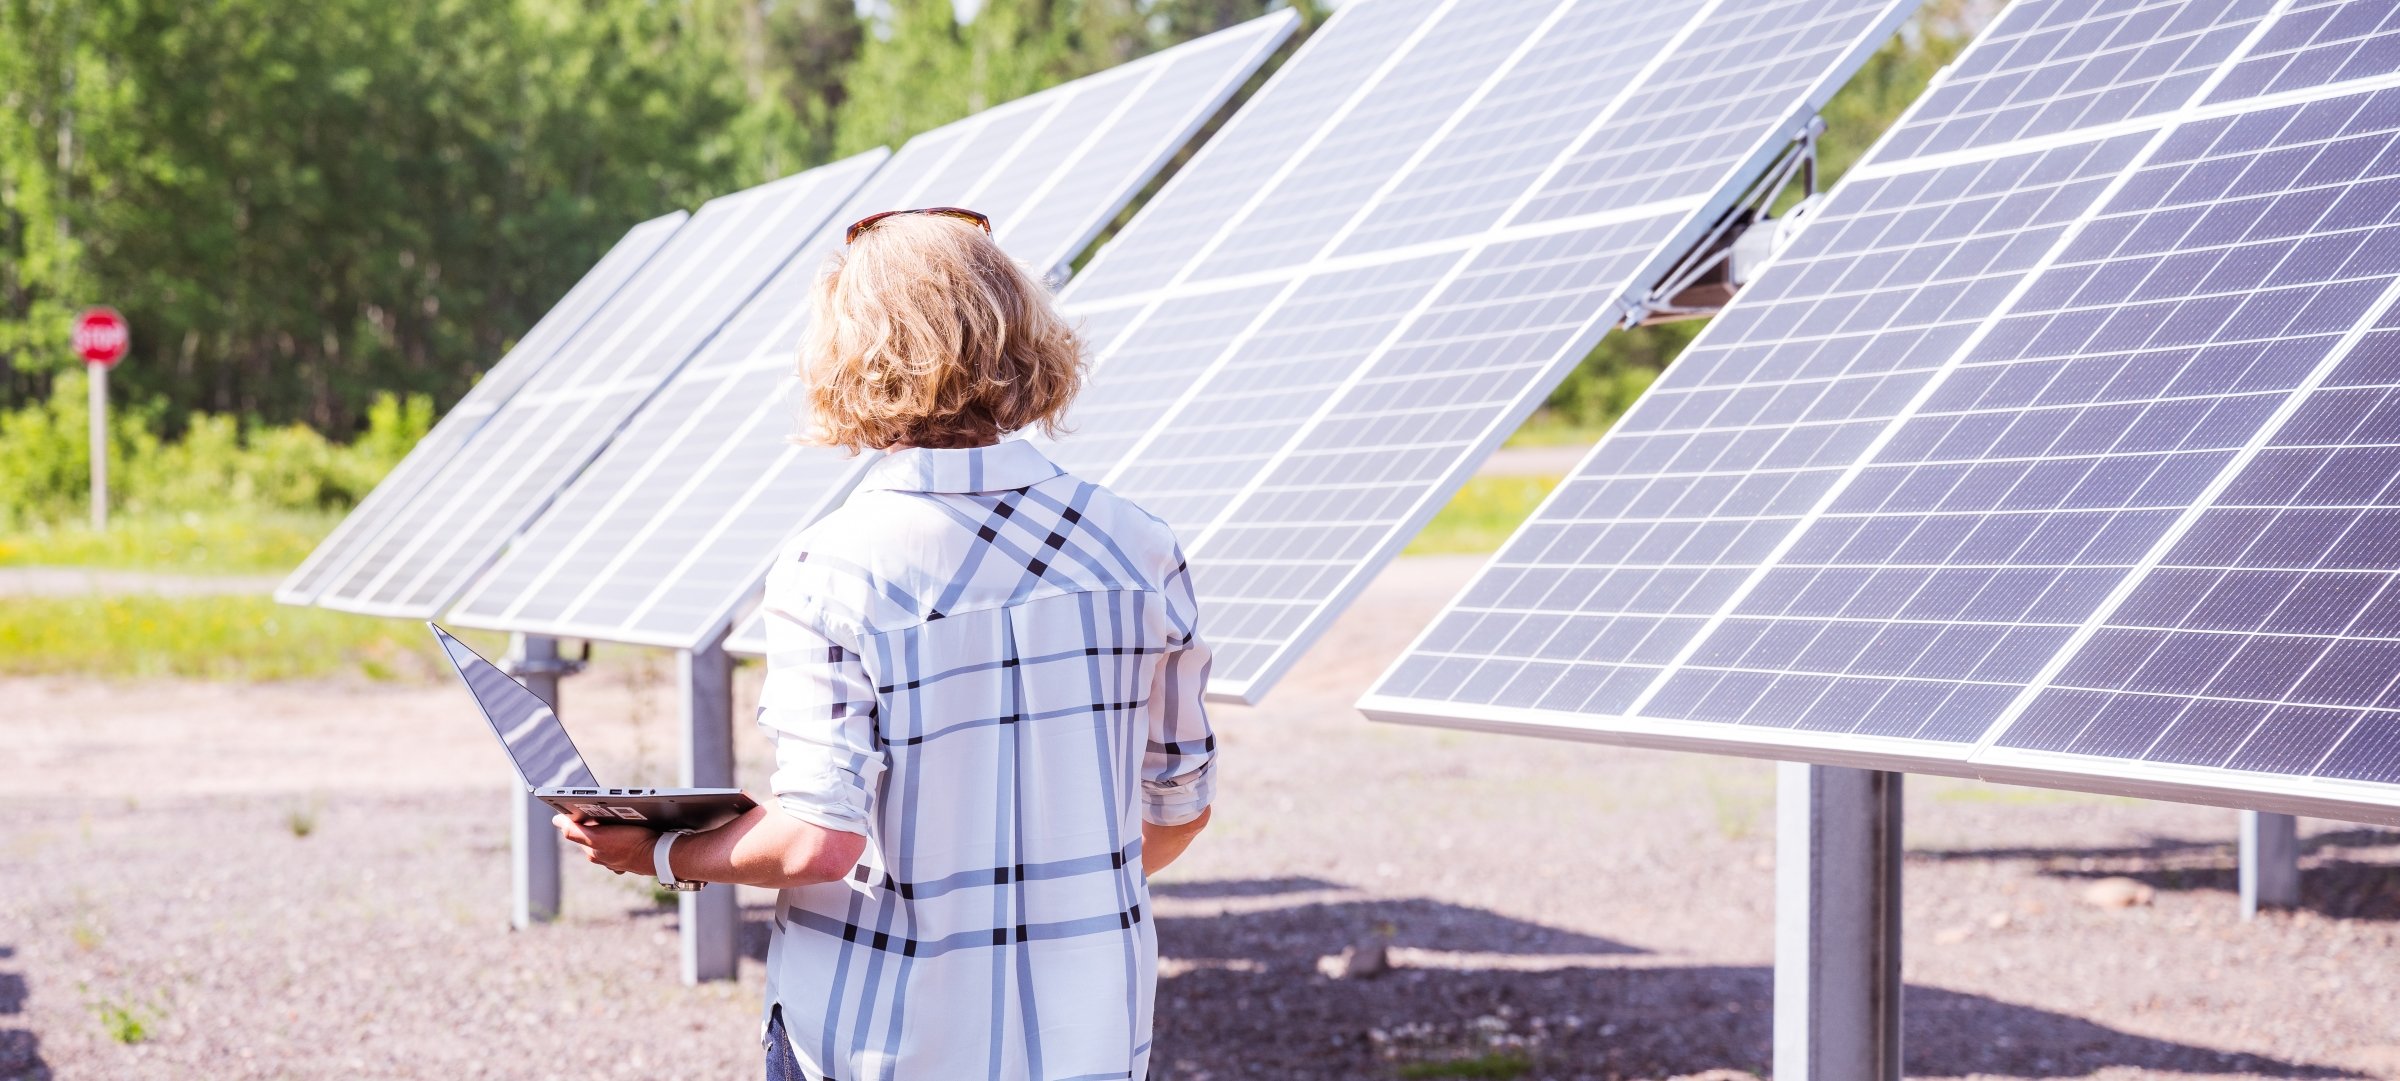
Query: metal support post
1837 924
2270 862
712 917
99 418
532 842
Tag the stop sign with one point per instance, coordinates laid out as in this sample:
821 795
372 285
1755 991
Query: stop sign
101 337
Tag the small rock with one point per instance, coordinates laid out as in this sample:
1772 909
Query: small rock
1363 961
1996 920
1952 936
2117 892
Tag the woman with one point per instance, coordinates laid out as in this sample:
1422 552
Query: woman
983 688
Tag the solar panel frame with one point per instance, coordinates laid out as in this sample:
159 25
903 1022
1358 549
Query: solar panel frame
459 425
1141 469
569 415
1986 757
1432 497
1825 748
1089 147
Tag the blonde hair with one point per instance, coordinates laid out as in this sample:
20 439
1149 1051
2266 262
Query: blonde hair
926 334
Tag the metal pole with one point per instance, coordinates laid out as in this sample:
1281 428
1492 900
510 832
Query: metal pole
99 415
532 841
712 917
2270 862
1837 924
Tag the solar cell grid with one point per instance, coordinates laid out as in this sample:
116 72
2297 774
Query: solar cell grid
1700 482
458 427
1743 75
1375 461
667 531
1149 368
2318 42
1514 134
1276 124
1528 168
1314 524
2140 534
2005 508
1462 48
1274 378
1152 122
569 409
2051 66
2263 640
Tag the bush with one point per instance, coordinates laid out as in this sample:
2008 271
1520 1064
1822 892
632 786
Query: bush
217 465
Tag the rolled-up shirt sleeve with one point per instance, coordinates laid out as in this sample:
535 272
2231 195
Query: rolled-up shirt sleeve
818 708
1179 768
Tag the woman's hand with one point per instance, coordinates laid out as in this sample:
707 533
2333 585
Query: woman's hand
619 848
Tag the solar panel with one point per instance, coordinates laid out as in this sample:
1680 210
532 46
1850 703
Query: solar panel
673 527
374 514
1361 313
450 529
2047 454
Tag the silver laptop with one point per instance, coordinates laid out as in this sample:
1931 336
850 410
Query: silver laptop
554 771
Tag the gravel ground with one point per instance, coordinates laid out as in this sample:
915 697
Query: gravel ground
308 881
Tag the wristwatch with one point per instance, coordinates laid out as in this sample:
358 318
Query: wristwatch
666 874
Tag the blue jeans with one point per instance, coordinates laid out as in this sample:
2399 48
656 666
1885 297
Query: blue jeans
782 1064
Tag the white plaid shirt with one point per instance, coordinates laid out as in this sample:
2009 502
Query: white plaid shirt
989 668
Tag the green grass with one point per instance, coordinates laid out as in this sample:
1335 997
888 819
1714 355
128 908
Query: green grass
1499 1066
1482 515
248 638
124 1022
251 542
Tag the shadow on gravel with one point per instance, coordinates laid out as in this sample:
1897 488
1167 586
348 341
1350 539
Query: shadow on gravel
20 1050
1274 1016
1249 887
2332 885
1323 927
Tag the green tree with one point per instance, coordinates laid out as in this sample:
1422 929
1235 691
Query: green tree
918 68
300 205
913 73
42 280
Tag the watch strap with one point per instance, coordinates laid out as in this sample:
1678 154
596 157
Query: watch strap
659 850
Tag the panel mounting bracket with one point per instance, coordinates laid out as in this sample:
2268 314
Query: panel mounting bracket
1742 239
541 663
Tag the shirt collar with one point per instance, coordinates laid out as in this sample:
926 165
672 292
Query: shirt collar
1011 463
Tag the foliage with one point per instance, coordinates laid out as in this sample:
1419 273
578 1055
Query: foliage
219 467
1498 1064
125 1022
142 635
299 205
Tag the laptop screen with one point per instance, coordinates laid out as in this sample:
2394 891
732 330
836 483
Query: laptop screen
526 725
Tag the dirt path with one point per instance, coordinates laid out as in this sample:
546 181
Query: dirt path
1555 910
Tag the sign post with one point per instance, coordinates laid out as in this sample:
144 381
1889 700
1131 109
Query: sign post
101 340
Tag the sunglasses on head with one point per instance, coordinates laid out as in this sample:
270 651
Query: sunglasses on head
961 213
